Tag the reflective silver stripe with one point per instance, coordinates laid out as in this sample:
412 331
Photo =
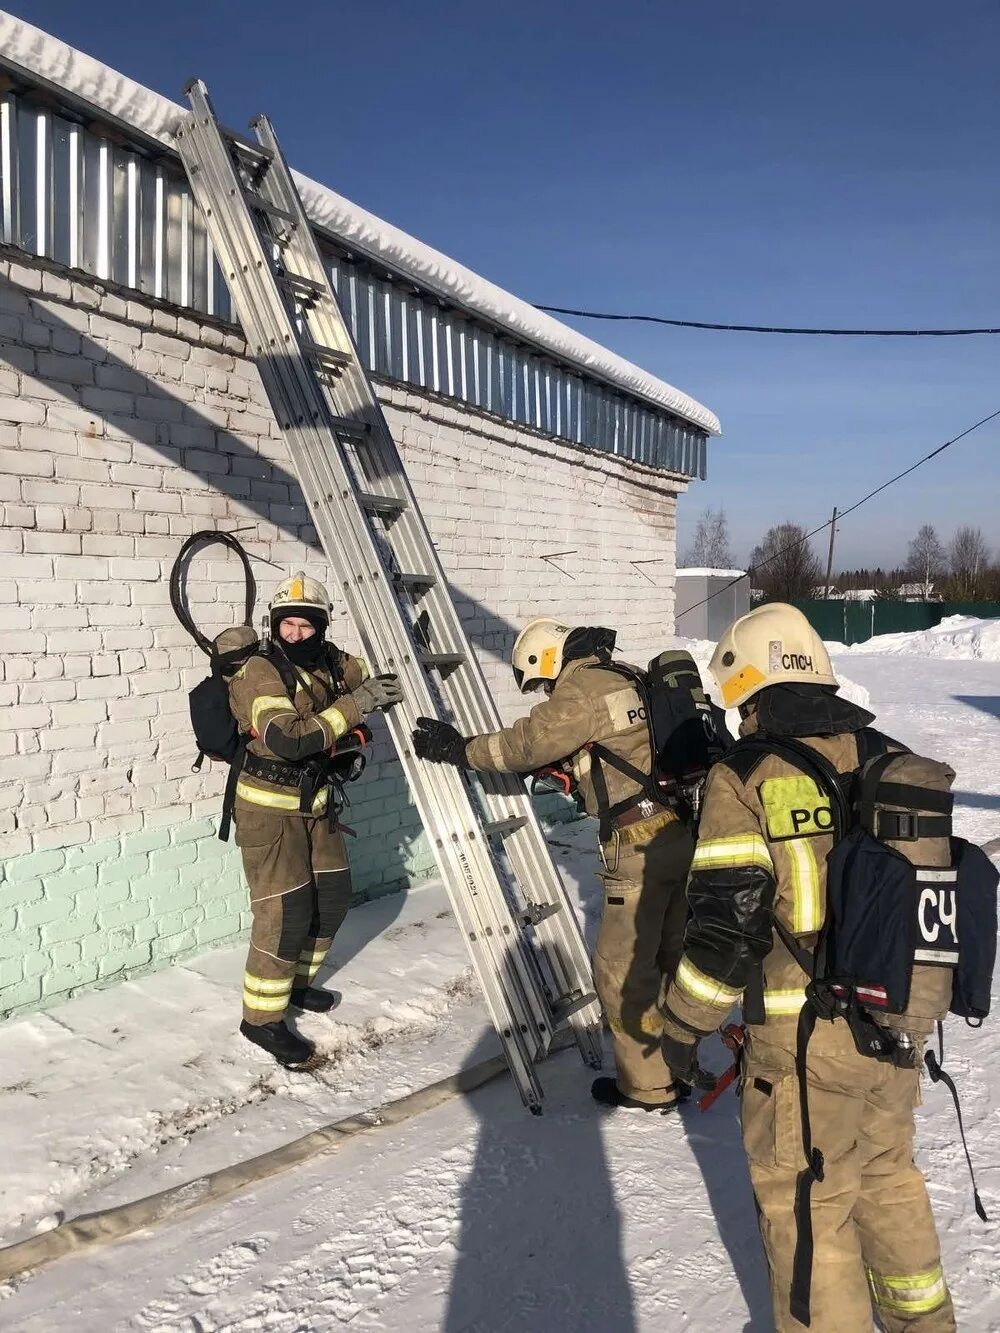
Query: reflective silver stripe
930 875
806 914
949 956
910 1294
745 849
266 1005
783 1003
279 800
494 750
703 987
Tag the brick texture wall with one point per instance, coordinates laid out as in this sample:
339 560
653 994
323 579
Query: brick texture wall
125 427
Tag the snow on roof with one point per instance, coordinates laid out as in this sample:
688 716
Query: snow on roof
155 116
714 573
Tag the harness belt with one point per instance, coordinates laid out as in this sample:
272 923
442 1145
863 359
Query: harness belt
273 771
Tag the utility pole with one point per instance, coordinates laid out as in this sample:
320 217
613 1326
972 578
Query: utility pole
829 563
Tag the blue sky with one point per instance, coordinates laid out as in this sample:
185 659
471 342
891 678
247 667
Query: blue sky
754 163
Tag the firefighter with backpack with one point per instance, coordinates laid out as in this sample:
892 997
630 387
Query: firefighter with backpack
295 699
828 894
594 724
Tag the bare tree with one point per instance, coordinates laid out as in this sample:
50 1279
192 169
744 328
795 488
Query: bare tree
784 566
710 547
969 558
926 560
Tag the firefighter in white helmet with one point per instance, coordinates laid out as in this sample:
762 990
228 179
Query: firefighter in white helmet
590 722
295 703
757 897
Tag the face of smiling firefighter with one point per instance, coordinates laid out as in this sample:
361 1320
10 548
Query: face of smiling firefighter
773 644
294 629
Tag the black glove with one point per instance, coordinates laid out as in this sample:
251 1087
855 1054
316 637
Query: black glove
682 1058
439 742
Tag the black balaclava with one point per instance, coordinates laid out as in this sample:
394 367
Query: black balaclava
800 709
310 654
589 641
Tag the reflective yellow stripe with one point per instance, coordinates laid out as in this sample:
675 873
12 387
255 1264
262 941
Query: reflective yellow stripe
919 1294
269 703
335 720
747 849
781 1003
805 887
310 963
703 987
364 668
266 985
270 1005
278 800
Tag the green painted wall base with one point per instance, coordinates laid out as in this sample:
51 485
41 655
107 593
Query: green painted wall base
79 918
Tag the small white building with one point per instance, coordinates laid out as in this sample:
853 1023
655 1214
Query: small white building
709 600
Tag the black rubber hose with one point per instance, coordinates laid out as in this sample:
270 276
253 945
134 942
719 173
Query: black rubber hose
178 581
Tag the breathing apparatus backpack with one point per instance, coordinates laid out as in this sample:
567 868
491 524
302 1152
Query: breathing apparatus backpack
910 932
687 732
216 731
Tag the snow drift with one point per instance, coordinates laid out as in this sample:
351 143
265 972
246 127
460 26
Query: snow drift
961 638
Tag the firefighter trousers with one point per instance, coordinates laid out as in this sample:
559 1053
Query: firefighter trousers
638 948
874 1239
300 890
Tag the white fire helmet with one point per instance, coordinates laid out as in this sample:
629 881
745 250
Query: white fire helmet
772 645
300 595
537 657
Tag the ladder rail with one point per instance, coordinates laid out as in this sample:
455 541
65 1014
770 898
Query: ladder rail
466 858
319 391
465 691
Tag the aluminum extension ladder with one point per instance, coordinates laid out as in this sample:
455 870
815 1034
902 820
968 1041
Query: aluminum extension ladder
504 890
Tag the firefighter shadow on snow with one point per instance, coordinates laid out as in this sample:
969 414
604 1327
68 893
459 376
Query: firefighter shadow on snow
539 1245
541 1236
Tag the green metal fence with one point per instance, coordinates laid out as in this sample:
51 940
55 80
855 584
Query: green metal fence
856 622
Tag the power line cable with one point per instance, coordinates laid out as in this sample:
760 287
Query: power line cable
767 328
800 541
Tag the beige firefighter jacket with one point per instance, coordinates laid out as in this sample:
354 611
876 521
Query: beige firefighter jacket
285 730
588 704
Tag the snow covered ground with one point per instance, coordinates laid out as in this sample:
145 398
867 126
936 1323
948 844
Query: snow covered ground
475 1216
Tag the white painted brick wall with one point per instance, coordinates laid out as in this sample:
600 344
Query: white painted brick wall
123 429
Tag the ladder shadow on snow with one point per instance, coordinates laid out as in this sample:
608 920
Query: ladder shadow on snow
985 703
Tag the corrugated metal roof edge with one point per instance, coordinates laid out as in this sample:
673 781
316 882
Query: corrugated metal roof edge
88 80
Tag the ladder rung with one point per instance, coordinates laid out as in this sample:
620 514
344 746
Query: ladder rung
441 660
300 286
355 430
387 505
415 581
252 154
326 358
568 1005
501 827
263 205
535 913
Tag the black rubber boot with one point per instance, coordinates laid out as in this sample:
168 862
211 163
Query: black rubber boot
315 1000
280 1042
606 1091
